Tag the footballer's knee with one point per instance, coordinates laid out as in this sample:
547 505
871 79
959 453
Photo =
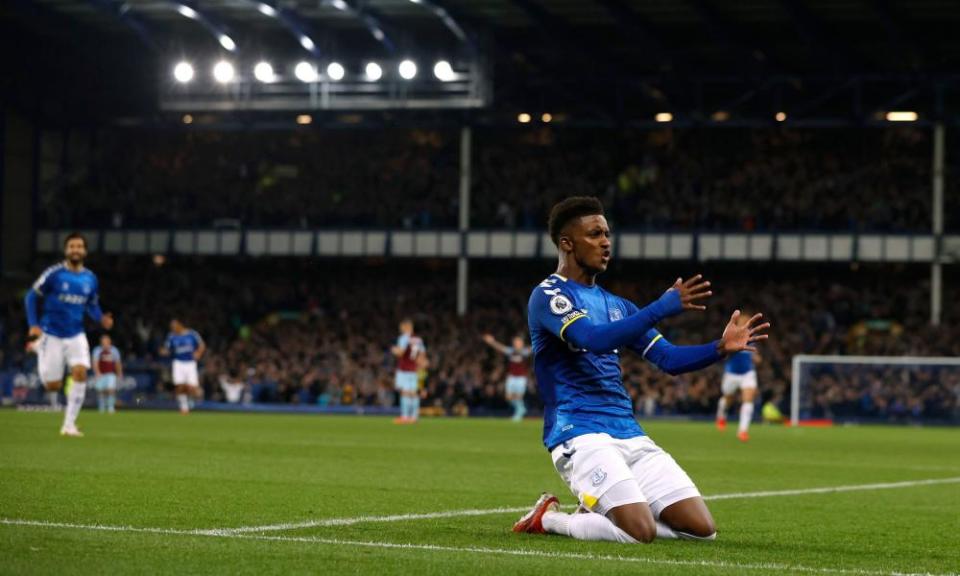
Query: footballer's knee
703 528
79 373
638 524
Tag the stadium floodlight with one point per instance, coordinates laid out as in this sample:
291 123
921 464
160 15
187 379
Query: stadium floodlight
307 43
378 34
408 69
546 117
227 42
663 117
339 4
187 11
263 72
223 72
267 10
374 71
902 116
523 118
416 1
183 72
335 71
304 119
781 116
443 71
305 72
187 119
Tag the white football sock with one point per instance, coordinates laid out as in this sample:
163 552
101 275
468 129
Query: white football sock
585 527
182 401
664 531
746 415
722 408
78 392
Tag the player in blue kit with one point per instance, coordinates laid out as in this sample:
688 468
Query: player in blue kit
630 488
738 374
187 347
69 292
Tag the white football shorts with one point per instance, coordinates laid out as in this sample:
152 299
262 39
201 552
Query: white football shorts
640 470
53 353
733 382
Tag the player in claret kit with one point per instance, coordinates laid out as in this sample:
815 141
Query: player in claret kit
631 488
107 369
69 291
517 371
411 356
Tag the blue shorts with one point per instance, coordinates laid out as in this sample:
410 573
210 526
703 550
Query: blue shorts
106 382
406 382
516 385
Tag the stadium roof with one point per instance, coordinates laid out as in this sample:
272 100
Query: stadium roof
540 49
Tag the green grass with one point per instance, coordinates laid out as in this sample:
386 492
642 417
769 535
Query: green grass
161 470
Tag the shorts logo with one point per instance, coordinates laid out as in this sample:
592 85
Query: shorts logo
598 476
560 305
615 314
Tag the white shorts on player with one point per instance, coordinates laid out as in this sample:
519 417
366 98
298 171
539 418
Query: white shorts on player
406 381
185 373
54 353
516 386
733 382
605 472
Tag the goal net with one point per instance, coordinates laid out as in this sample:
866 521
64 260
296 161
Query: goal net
875 389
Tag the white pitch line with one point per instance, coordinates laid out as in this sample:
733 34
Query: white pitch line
490 511
719 564
359 520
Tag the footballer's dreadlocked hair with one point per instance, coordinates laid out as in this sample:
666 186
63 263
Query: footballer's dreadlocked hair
570 209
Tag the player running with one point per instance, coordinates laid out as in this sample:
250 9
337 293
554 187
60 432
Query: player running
738 374
69 290
187 347
517 371
632 488
107 369
411 355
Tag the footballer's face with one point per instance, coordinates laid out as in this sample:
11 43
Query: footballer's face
589 239
176 326
406 327
105 341
75 251
517 343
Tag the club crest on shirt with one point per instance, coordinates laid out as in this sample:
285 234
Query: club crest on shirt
597 476
560 305
614 314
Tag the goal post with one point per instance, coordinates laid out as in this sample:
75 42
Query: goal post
910 372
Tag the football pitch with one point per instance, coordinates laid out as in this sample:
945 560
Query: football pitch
151 492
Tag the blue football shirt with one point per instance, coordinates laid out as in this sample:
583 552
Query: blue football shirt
582 391
183 346
67 296
739 363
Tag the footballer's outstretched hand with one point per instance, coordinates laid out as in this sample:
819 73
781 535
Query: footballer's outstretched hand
740 334
692 292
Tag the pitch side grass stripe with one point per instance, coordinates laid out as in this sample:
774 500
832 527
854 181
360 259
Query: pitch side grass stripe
324 522
521 552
